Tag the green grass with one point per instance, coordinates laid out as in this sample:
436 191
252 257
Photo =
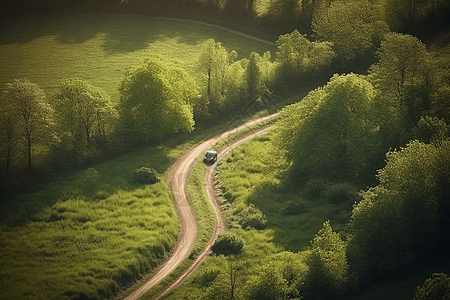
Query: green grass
93 232
101 48
84 246
252 174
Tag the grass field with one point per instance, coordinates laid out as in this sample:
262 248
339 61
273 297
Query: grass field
89 234
101 48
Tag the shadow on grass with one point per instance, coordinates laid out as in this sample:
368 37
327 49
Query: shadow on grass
292 232
122 33
90 184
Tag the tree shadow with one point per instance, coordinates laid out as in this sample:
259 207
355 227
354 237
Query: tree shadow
121 33
90 184
292 232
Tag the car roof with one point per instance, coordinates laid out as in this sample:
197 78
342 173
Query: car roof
211 152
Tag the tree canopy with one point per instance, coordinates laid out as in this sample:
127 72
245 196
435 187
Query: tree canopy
403 219
156 99
85 114
354 27
27 117
331 133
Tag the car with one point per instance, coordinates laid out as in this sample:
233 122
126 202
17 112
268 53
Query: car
210 157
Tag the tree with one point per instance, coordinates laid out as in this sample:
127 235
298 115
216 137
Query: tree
9 135
27 102
331 133
213 59
269 285
253 76
228 243
402 221
402 63
436 287
328 266
228 284
224 81
402 78
83 112
280 276
156 99
405 15
298 56
354 27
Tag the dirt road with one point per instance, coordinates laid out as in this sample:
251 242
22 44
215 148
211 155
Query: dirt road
178 174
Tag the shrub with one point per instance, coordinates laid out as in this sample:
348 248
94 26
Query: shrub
145 175
340 193
294 208
253 217
228 243
314 187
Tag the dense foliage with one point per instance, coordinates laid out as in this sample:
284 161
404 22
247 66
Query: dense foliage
156 99
331 144
331 133
227 243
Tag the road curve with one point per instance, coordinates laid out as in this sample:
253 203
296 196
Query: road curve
178 175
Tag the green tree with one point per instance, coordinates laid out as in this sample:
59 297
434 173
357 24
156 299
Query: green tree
436 287
298 57
401 221
331 133
354 27
328 266
405 15
228 243
280 276
268 285
402 63
253 76
213 59
27 102
9 135
156 99
431 130
402 78
84 112
228 284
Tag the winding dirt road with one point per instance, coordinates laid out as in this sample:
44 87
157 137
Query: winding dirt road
178 175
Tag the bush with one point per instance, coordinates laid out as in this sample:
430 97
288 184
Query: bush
253 217
145 175
314 187
294 208
228 243
340 193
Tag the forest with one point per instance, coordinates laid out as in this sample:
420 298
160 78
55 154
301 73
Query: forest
368 137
